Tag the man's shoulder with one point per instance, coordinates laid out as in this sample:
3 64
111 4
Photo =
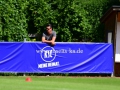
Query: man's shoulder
45 32
53 31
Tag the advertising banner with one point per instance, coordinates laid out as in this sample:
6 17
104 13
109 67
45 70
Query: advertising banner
67 57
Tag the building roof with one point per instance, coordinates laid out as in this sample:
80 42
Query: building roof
109 12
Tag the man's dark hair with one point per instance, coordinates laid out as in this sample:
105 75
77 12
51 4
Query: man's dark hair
49 25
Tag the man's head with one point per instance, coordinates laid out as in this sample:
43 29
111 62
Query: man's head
49 28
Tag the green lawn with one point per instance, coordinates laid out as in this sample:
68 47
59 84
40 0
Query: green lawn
59 83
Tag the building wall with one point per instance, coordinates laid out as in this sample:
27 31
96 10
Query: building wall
117 54
110 26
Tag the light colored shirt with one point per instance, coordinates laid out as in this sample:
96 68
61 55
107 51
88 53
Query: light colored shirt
49 37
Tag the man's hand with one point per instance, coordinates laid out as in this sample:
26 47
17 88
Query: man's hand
52 43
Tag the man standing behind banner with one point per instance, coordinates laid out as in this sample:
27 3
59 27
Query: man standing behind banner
49 36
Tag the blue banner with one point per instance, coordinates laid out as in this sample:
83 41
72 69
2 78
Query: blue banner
71 57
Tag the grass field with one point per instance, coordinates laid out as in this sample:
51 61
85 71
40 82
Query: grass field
59 83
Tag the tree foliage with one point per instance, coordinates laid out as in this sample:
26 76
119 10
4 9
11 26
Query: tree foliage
13 20
73 20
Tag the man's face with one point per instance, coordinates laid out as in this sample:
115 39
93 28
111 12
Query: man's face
49 30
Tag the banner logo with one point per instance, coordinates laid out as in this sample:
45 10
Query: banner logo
48 54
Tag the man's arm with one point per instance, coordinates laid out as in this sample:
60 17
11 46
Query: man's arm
49 41
45 41
53 39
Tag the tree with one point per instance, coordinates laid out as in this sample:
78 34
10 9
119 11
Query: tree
73 20
13 20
